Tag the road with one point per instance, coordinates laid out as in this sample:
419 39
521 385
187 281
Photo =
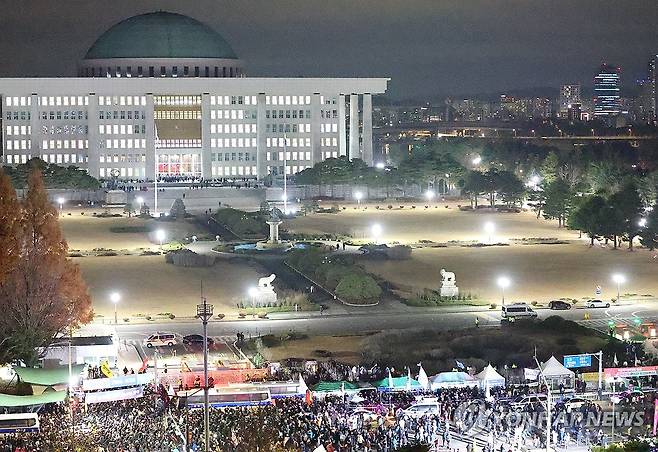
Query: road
365 321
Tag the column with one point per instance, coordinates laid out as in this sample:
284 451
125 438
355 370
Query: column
354 127
342 130
316 120
206 162
95 146
261 149
367 129
35 128
150 137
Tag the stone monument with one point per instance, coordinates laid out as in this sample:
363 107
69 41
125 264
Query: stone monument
273 243
448 284
264 293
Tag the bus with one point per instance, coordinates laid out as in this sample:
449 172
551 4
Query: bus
19 423
228 398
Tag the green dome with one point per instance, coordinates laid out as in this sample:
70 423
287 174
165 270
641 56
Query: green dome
160 35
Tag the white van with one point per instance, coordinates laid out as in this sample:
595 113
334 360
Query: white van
162 339
517 310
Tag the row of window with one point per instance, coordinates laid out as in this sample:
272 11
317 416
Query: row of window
288 114
121 129
122 172
233 100
63 158
328 128
16 101
164 71
292 142
19 130
330 154
232 128
124 143
64 144
178 143
177 114
121 100
289 169
56 101
289 155
232 156
233 114
329 141
66 129
329 114
178 101
287 100
17 145
66 114
122 158
17 159
226 171
121 114
288 128
233 142
17 115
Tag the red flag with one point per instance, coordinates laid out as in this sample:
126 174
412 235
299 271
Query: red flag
309 398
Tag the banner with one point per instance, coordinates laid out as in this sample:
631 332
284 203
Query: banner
117 394
628 372
573 361
105 368
530 374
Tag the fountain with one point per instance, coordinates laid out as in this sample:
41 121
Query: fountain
273 243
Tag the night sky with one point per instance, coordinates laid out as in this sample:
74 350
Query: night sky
427 47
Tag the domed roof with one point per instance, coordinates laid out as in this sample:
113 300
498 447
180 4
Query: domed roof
160 35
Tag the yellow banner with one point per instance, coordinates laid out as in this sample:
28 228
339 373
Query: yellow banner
105 368
590 376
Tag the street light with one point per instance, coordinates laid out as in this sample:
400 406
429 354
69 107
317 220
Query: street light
253 292
503 282
204 311
358 195
376 231
430 194
140 201
380 165
115 297
642 222
619 279
160 236
477 160
489 228
60 201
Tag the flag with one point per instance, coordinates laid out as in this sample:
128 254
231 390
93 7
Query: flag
389 383
615 361
460 365
422 377
408 386
342 389
309 398
302 385
487 391
655 417
530 374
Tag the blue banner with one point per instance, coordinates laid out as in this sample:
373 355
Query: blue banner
573 361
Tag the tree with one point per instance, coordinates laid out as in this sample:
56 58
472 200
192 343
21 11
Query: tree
649 233
550 167
628 208
475 185
43 295
177 210
558 199
358 287
509 186
588 217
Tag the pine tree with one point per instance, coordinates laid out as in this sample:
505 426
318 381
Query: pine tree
649 233
43 295
558 199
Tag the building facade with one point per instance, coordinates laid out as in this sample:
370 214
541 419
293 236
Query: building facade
162 95
607 99
569 95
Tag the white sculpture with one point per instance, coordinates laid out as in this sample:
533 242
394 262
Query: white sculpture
264 294
448 284
266 282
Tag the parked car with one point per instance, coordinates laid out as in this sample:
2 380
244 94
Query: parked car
597 304
422 408
572 404
517 310
529 402
559 305
196 339
162 340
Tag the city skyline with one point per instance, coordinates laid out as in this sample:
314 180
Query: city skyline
427 49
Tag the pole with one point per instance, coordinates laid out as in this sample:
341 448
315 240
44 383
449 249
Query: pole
600 373
206 414
503 295
612 399
618 284
116 322
155 180
70 389
285 171
548 407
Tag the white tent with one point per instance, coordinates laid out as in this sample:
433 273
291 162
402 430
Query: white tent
490 376
557 376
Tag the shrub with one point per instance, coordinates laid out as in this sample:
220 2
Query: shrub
493 306
357 288
534 303
171 316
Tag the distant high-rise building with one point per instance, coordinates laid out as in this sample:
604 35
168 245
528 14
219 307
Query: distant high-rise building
569 94
652 81
607 101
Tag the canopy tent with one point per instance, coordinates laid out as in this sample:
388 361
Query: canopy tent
397 384
335 386
489 376
11 401
50 376
557 376
452 380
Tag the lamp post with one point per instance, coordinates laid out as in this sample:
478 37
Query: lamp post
618 279
376 231
60 201
503 282
160 236
253 292
204 311
489 228
380 165
430 194
115 297
642 222
476 160
358 196
140 201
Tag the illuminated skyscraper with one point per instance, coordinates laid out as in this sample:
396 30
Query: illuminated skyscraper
569 94
607 101
652 79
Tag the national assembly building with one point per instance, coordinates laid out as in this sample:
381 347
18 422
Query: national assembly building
163 95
